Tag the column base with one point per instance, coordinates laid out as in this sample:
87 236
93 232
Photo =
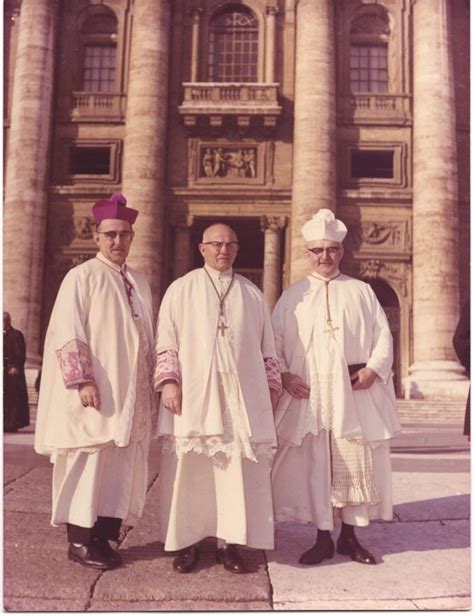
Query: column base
436 380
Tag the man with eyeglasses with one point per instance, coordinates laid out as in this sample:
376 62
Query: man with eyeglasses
338 409
218 372
96 399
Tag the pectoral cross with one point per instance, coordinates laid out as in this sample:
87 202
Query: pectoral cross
222 327
331 329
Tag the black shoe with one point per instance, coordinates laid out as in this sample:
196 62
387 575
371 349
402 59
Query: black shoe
351 547
107 549
231 559
90 556
323 548
187 559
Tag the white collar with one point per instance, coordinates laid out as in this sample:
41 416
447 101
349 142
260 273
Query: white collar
216 274
324 278
114 266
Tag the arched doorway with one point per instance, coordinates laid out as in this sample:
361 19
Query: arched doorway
389 301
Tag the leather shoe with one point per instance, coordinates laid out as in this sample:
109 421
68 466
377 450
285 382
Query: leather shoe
351 547
323 548
186 560
107 549
90 556
231 559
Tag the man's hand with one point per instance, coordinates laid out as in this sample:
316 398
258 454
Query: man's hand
89 395
171 397
274 397
295 385
363 378
12 371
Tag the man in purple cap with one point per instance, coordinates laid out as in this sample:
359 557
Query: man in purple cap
96 401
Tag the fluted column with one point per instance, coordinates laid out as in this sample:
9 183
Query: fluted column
145 135
435 371
314 144
270 41
25 205
196 23
272 271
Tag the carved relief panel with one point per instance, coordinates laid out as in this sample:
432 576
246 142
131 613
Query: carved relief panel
387 236
224 162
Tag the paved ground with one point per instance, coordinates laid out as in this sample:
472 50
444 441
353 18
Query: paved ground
424 552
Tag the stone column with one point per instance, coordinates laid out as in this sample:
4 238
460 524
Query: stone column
182 248
435 371
270 40
314 144
272 270
196 21
25 205
145 149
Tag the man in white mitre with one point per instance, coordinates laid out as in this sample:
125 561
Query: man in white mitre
218 372
338 410
96 397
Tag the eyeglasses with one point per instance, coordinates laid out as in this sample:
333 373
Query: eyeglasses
111 235
220 245
332 250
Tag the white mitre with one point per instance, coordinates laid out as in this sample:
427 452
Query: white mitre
324 226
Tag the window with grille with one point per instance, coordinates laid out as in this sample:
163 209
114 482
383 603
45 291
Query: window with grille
233 46
369 68
98 51
99 68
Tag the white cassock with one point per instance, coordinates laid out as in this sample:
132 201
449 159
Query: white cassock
333 454
216 455
100 330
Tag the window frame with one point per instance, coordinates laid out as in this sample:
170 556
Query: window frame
216 8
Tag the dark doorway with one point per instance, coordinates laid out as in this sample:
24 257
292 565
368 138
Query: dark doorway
389 300
249 261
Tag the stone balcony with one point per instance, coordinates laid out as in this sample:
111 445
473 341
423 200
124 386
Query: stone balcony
243 103
375 108
97 106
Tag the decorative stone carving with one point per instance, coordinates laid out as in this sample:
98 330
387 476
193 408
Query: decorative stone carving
386 235
77 259
273 223
228 162
84 228
395 272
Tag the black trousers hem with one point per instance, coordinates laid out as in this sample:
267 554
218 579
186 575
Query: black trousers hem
104 528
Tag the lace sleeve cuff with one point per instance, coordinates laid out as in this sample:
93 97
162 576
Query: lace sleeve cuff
272 369
167 368
75 363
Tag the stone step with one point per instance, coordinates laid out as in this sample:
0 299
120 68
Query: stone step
433 411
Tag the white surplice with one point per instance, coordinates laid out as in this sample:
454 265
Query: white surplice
96 332
215 467
361 422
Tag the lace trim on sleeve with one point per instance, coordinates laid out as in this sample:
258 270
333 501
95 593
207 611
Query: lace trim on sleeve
272 369
167 367
75 363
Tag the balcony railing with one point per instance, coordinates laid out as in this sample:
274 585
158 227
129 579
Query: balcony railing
230 98
97 106
376 107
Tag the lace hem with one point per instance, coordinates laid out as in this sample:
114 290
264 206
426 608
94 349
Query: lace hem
215 448
355 494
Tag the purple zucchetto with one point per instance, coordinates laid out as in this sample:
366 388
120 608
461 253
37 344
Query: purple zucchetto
115 208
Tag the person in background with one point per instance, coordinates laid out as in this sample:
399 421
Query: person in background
16 412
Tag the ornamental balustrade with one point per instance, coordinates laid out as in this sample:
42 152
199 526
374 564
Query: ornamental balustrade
97 105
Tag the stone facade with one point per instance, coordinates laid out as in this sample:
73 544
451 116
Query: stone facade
257 113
